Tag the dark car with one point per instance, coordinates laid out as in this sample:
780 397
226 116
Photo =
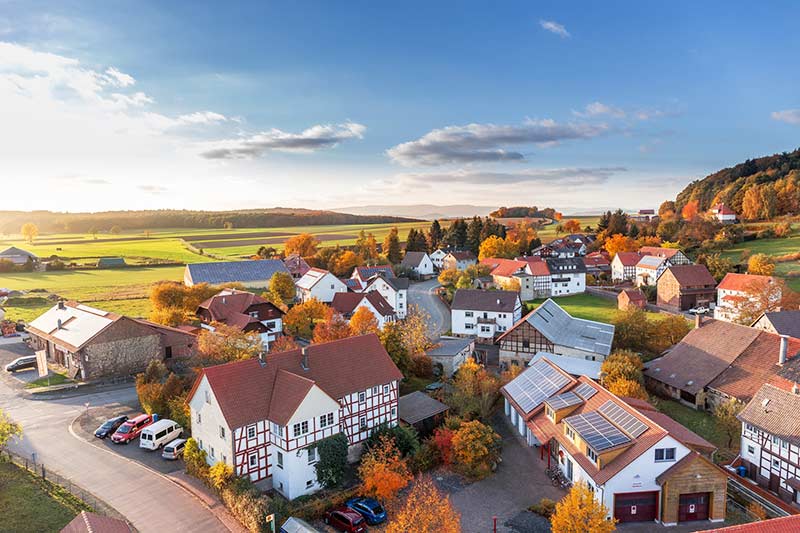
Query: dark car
345 519
109 427
22 363
372 511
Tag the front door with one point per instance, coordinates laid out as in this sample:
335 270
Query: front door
693 506
774 482
636 506
569 469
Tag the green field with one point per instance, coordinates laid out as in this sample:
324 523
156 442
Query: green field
587 306
772 247
701 423
29 504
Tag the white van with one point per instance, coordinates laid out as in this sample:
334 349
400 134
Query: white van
159 433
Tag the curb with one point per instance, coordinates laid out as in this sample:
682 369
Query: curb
156 472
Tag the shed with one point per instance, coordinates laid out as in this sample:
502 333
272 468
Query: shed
451 353
631 298
111 262
421 411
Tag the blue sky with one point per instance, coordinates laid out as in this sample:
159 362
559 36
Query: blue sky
329 104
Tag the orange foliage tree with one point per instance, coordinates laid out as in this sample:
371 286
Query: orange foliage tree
383 470
580 512
334 327
363 321
572 226
620 243
284 343
227 343
628 388
442 439
690 210
425 510
476 447
174 302
304 244
301 319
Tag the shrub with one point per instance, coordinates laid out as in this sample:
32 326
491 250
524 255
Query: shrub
332 462
195 460
220 475
422 366
247 505
442 440
404 437
546 507
426 457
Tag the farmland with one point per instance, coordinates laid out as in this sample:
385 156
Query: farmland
773 248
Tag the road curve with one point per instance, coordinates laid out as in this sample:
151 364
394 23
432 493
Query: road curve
422 295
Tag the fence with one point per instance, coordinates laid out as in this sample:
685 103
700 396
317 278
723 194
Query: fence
40 470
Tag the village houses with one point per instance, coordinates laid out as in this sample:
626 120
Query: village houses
244 311
484 314
320 284
736 291
724 214
347 303
437 257
458 260
418 262
684 287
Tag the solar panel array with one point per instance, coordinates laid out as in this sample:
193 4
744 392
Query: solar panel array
599 433
623 419
585 391
535 385
567 399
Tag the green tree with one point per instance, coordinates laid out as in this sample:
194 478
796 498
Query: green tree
391 247
332 463
435 235
391 337
725 414
8 429
282 288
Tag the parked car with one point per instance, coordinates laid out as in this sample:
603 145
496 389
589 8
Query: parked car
159 433
22 363
372 511
345 519
131 429
110 426
297 525
174 449
699 310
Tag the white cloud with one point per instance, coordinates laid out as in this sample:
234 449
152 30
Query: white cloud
312 139
790 116
202 117
554 27
119 79
598 109
487 142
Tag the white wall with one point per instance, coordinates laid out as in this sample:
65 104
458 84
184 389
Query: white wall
576 283
468 325
397 299
425 267
324 289
207 431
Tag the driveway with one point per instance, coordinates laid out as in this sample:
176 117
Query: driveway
422 295
150 501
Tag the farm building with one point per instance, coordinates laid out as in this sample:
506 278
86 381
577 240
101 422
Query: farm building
451 353
683 287
18 256
256 273
629 298
111 262
421 412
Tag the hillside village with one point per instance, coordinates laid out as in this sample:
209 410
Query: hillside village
628 364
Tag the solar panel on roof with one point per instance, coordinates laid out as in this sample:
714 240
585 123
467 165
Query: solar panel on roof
535 385
623 419
585 391
567 399
599 433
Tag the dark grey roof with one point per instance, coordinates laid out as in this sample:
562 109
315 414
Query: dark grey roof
565 265
231 271
450 346
418 406
768 411
785 322
14 251
396 283
108 262
413 259
479 300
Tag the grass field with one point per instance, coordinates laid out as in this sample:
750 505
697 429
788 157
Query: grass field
588 307
701 423
772 247
28 504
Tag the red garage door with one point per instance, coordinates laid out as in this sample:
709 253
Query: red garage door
636 506
693 507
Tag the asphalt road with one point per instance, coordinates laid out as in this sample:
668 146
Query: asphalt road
149 501
422 295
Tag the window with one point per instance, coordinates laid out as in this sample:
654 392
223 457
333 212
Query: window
776 463
251 432
751 450
665 454
326 420
469 326
252 460
208 397
222 433
394 411
550 413
212 451
468 313
569 432
254 314
748 427
280 460
201 443
300 429
199 417
362 423
362 397
278 430
591 455
224 458
386 389
374 390
309 483
312 455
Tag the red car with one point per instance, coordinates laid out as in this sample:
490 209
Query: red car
131 429
345 519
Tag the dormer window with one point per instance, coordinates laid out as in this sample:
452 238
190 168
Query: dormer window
254 314
569 432
550 413
591 455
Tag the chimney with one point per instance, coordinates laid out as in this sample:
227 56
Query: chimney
304 360
262 359
58 324
223 300
61 305
783 350
498 301
795 388
698 321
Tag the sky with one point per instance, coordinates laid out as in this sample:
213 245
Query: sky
230 105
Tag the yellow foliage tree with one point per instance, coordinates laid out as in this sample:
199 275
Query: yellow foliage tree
494 246
475 448
622 364
628 388
282 290
30 231
227 343
760 264
304 244
580 512
619 243
383 471
333 328
301 319
425 510
363 322
572 226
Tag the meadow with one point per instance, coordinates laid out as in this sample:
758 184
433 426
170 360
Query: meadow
773 248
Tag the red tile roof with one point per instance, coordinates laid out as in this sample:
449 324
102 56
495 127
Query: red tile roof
628 258
346 302
504 267
245 390
634 295
296 265
231 306
785 524
723 209
87 522
666 253
743 282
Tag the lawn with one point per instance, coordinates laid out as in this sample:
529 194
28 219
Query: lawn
47 381
29 504
548 233
586 306
772 247
701 423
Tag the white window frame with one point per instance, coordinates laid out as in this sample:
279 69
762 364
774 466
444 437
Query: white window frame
222 432
300 429
279 460
313 457
362 423
251 432
252 460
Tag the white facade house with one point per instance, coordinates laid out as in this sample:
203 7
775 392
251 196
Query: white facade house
264 416
394 290
437 257
724 214
567 275
364 273
458 260
347 303
649 268
623 266
736 291
484 314
319 284
419 262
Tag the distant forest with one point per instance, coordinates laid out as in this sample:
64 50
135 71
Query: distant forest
523 212
51 222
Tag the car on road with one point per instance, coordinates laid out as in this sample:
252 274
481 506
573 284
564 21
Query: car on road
345 519
159 433
110 426
699 310
22 363
174 449
370 508
131 429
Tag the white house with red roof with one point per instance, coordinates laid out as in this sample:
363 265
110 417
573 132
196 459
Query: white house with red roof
242 310
723 213
737 290
265 416
347 303
628 459
364 273
320 284
623 266
393 289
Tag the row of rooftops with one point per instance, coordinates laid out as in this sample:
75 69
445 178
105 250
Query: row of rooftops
534 265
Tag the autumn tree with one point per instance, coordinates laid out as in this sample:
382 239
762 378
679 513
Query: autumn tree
301 319
367 247
622 364
474 391
717 265
628 388
476 447
572 226
391 247
764 296
383 471
30 231
761 265
363 321
725 416
580 512
282 290
691 210
227 343
619 243
415 331
391 337
333 328
495 246
304 244
173 303
8 429
284 343
442 440
425 510
155 392
344 264
631 328
666 332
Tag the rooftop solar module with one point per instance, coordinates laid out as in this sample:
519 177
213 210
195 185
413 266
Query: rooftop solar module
537 383
599 433
585 391
623 419
567 399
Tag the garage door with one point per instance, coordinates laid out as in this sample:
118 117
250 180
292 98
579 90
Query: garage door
636 506
693 507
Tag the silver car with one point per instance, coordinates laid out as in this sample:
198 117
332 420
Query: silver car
174 449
